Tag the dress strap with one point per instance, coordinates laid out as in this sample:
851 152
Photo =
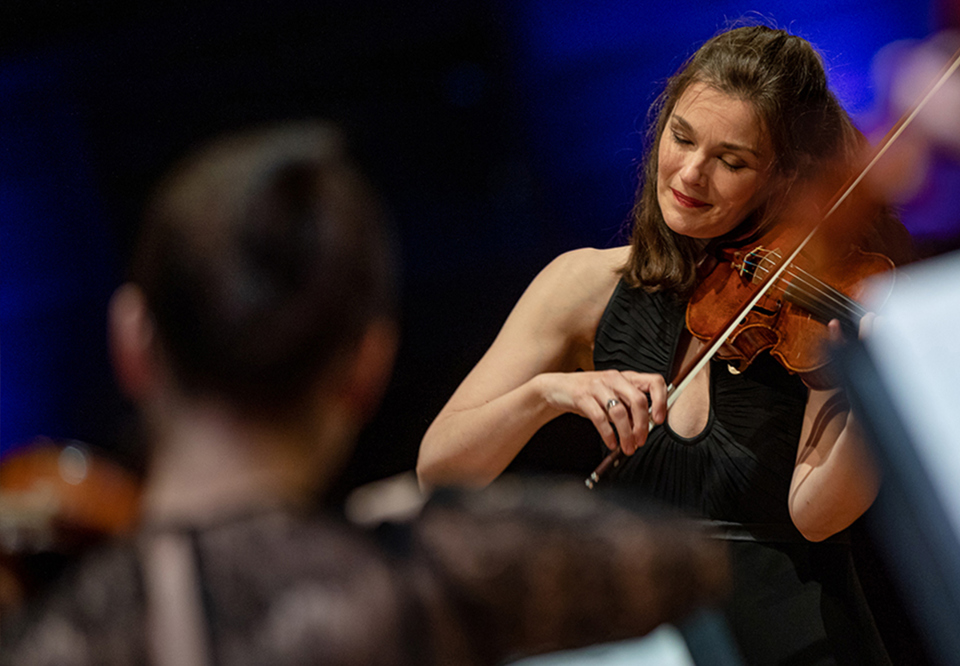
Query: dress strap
177 624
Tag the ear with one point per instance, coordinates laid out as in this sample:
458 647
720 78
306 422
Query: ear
131 338
371 367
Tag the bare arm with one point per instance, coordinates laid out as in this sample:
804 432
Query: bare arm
835 479
528 377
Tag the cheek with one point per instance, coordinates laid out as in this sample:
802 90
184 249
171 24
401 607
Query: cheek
742 194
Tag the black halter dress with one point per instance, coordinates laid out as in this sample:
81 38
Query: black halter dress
794 602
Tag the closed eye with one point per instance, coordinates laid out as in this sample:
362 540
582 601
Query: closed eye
731 165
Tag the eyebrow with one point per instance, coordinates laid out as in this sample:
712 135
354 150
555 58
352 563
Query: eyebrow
726 144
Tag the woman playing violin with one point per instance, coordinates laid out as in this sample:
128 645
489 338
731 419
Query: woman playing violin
777 467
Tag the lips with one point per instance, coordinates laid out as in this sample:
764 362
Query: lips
688 202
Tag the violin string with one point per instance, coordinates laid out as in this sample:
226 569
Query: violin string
830 297
809 285
844 303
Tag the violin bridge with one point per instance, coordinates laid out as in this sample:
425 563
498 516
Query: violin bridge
756 264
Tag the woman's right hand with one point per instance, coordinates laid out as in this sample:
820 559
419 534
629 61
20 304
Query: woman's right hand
620 404
539 367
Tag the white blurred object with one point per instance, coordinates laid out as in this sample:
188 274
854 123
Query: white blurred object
903 378
665 646
918 339
397 498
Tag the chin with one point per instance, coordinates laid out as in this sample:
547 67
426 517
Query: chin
679 227
702 229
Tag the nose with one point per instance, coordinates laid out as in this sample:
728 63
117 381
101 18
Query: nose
692 171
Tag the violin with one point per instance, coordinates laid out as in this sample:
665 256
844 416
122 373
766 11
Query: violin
790 319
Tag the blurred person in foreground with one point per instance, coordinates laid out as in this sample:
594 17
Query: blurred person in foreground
255 337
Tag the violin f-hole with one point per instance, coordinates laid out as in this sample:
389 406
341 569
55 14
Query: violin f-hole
765 311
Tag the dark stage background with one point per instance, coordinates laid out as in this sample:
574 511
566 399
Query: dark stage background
500 134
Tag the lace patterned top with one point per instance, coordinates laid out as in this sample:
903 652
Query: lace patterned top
477 578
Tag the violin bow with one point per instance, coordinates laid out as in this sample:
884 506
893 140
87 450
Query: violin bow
707 352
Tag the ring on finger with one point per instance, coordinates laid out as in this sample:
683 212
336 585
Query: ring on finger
611 403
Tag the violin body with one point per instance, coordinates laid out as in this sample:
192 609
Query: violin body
790 320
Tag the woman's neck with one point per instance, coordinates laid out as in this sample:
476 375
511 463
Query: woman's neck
209 464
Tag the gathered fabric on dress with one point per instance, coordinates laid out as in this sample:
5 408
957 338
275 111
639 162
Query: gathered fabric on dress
794 601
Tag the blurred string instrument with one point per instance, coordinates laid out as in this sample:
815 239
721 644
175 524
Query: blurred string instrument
57 498
778 292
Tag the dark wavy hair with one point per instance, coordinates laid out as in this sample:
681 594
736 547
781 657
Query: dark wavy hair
783 77
262 259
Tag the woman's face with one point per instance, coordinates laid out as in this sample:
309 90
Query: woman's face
714 163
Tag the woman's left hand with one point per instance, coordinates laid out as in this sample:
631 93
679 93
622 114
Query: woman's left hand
867 322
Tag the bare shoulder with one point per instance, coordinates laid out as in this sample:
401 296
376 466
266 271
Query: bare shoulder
572 291
588 272
550 329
